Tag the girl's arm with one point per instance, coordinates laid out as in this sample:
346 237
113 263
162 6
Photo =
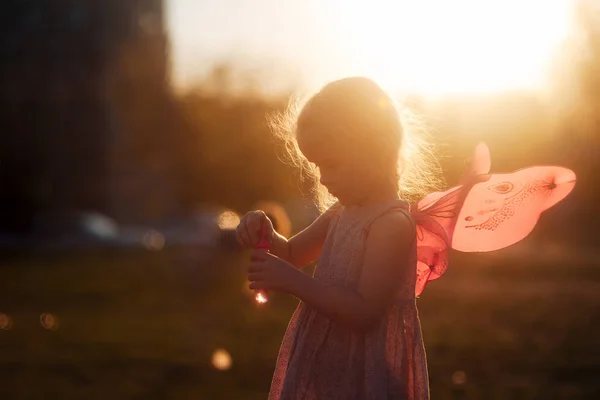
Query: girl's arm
304 247
385 265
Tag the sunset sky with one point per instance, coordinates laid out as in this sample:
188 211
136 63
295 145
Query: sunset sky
433 47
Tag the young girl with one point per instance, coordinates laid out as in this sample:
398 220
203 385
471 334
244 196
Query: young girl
356 332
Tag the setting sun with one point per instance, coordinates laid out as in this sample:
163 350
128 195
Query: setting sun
463 46
425 46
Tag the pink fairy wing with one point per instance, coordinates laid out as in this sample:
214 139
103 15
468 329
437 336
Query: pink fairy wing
477 169
479 164
503 210
442 208
431 264
435 217
486 212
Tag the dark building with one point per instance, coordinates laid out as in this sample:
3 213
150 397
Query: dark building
82 82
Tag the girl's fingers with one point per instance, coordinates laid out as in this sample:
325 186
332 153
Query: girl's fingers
245 238
255 267
241 233
249 228
258 219
255 276
250 231
258 285
258 255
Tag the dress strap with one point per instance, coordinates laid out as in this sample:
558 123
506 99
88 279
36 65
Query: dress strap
399 205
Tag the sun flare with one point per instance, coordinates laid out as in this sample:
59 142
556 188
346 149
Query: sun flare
461 46
431 47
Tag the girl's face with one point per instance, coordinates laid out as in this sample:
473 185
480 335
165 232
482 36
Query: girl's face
345 175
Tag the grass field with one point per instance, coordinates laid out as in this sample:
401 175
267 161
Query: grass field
136 325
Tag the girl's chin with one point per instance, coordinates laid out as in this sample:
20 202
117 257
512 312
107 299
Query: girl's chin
344 201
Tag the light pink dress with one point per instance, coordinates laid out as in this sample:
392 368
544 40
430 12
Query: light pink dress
320 359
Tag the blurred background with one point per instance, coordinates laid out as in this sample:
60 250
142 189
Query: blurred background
134 135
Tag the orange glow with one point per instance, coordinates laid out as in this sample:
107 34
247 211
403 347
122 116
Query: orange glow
462 46
6 322
260 297
154 240
49 321
221 359
229 220
459 378
431 47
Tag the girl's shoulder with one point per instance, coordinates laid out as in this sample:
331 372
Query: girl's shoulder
332 210
398 211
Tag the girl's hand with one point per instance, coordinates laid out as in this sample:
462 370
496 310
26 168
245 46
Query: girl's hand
267 271
248 231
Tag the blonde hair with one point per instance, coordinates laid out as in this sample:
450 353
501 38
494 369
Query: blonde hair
417 171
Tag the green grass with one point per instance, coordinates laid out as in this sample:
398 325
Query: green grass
144 326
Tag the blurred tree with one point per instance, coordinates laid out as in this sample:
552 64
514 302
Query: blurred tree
141 155
85 102
576 92
235 152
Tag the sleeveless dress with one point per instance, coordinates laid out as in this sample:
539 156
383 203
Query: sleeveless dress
320 359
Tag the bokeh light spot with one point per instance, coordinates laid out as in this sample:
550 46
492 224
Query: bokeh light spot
221 360
229 220
459 378
260 297
49 321
154 240
6 322
100 225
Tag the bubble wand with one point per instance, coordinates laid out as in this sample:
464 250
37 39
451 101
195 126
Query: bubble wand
260 295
